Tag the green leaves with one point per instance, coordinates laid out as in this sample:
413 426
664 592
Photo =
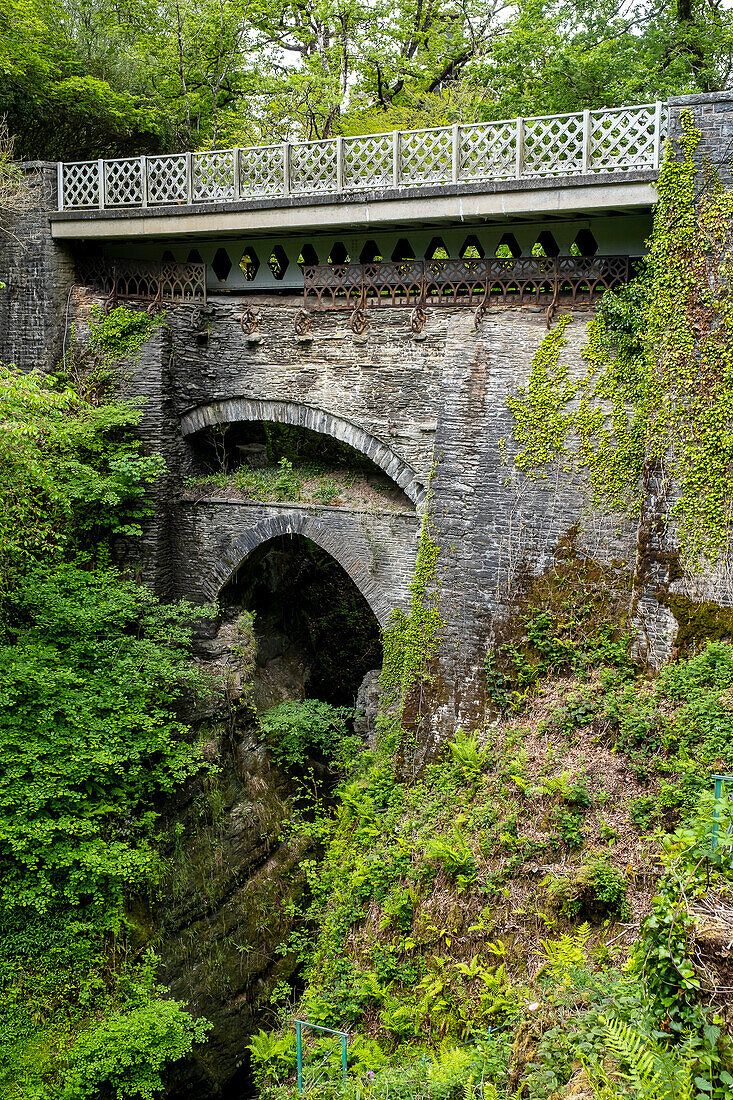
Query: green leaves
298 729
69 473
88 735
125 1055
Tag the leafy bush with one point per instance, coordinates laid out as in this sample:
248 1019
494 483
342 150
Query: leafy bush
298 729
467 753
124 1056
91 671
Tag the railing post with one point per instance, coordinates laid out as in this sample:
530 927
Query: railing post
344 1058
586 142
657 134
100 183
519 166
237 179
60 184
299 1054
143 181
189 179
456 163
339 164
286 168
396 157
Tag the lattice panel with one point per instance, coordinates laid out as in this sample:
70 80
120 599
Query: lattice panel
213 176
398 283
261 170
313 167
81 184
623 139
123 183
167 179
618 140
147 280
469 282
368 162
182 282
426 157
553 146
488 151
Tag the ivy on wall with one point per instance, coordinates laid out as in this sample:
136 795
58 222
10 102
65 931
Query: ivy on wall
410 641
658 393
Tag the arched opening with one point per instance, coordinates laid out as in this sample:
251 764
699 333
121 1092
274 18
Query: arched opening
266 461
317 636
221 416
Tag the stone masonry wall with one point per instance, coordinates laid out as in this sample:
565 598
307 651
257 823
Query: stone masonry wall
436 404
38 276
212 539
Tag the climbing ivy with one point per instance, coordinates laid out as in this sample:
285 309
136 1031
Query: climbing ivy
658 394
541 423
410 641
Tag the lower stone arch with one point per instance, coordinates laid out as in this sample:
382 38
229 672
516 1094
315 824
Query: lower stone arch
309 527
241 409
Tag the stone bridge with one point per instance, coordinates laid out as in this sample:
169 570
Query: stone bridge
214 538
426 403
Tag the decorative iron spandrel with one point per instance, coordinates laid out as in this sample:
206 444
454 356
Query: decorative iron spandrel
147 280
470 282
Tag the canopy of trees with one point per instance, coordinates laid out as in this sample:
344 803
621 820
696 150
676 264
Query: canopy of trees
81 78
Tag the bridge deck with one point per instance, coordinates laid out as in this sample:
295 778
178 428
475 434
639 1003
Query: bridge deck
590 161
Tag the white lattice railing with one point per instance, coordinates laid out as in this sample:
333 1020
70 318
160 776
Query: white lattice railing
613 140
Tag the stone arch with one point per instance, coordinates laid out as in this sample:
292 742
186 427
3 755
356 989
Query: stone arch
300 523
316 420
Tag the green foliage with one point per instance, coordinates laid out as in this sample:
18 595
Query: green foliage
644 413
272 1056
453 854
94 673
119 334
467 753
70 475
125 1055
540 426
91 668
595 889
296 730
410 641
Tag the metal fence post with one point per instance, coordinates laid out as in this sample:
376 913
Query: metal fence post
657 134
189 179
716 812
519 165
456 163
344 1065
339 164
396 157
60 184
299 1052
237 178
143 181
286 168
586 141
100 183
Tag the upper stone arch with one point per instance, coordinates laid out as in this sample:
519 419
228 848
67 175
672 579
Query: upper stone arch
241 409
301 523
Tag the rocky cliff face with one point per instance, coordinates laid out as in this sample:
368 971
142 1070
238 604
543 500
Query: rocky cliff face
231 883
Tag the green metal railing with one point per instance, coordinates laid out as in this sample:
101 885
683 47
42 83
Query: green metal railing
720 782
299 1025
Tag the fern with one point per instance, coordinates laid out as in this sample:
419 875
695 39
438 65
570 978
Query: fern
654 1072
